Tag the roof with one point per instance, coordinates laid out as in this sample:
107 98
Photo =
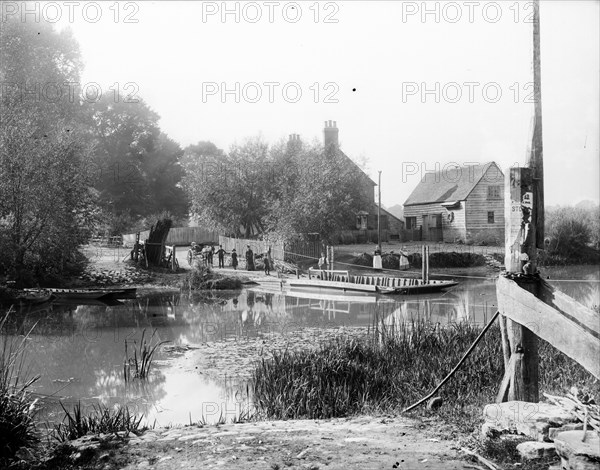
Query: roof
448 185
340 152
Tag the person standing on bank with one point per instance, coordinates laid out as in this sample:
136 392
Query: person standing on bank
221 255
322 262
249 259
377 263
267 263
234 260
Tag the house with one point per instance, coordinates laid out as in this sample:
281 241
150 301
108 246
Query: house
364 226
460 204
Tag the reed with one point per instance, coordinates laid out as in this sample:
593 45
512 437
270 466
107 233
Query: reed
17 407
394 366
102 419
138 366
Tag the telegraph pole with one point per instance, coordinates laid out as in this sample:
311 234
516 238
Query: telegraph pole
379 213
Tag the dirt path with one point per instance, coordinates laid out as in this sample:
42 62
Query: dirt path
356 443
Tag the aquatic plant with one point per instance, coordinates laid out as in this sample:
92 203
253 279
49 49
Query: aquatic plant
17 407
142 357
102 419
394 366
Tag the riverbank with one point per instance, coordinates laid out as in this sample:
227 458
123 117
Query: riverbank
365 442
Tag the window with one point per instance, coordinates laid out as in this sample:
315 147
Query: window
490 217
411 223
493 192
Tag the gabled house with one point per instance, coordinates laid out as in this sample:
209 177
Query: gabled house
460 204
365 223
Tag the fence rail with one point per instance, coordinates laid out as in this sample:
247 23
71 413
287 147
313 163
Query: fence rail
257 246
180 236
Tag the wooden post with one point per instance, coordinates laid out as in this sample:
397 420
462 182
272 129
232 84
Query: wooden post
173 257
522 370
136 247
524 216
425 264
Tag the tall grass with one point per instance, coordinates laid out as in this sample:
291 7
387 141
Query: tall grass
17 408
139 365
102 419
393 367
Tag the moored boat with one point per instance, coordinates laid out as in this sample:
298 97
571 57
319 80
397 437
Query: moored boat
377 284
113 293
33 297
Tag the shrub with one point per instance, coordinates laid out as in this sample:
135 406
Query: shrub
17 408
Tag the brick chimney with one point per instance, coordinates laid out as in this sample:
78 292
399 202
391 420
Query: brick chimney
294 144
330 135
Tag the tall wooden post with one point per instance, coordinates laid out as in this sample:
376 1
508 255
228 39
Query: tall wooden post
425 264
524 218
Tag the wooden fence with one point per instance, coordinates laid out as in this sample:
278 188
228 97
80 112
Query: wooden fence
303 250
179 236
257 246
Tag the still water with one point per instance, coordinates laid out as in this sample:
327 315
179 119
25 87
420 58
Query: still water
79 350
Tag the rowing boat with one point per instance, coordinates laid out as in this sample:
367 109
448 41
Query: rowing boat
376 284
33 297
115 293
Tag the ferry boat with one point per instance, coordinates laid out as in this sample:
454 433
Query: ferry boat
343 280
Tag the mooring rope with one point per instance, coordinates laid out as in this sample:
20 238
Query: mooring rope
487 327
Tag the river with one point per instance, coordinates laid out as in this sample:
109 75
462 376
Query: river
78 350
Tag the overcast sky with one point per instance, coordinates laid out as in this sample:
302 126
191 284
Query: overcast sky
411 85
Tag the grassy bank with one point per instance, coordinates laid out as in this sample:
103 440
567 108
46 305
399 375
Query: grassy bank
396 366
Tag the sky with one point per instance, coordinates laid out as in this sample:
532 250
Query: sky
413 86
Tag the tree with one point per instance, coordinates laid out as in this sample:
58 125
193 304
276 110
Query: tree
125 133
229 192
278 192
322 192
45 202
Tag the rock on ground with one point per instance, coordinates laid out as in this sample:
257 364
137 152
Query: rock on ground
577 455
531 419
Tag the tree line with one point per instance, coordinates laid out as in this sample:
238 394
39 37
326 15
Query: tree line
71 167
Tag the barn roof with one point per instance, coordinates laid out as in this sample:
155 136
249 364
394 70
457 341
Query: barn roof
450 185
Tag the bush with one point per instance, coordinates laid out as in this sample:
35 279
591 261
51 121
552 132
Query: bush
448 260
204 278
17 408
573 235
488 237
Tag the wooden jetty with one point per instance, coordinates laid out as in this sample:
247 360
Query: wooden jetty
343 280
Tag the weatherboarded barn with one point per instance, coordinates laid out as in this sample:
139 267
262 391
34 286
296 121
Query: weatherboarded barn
459 204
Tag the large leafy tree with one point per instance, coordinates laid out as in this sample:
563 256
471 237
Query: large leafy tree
280 192
319 192
229 192
45 202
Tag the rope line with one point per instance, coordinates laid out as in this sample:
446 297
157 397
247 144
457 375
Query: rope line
396 271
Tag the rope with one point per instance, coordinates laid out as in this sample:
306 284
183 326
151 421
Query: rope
396 271
487 327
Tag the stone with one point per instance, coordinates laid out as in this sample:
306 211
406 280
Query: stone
533 450
553 432
577 455
531 419
435 403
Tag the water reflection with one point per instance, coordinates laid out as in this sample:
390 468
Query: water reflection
79 349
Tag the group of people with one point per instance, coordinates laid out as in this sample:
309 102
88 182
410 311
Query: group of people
207 255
